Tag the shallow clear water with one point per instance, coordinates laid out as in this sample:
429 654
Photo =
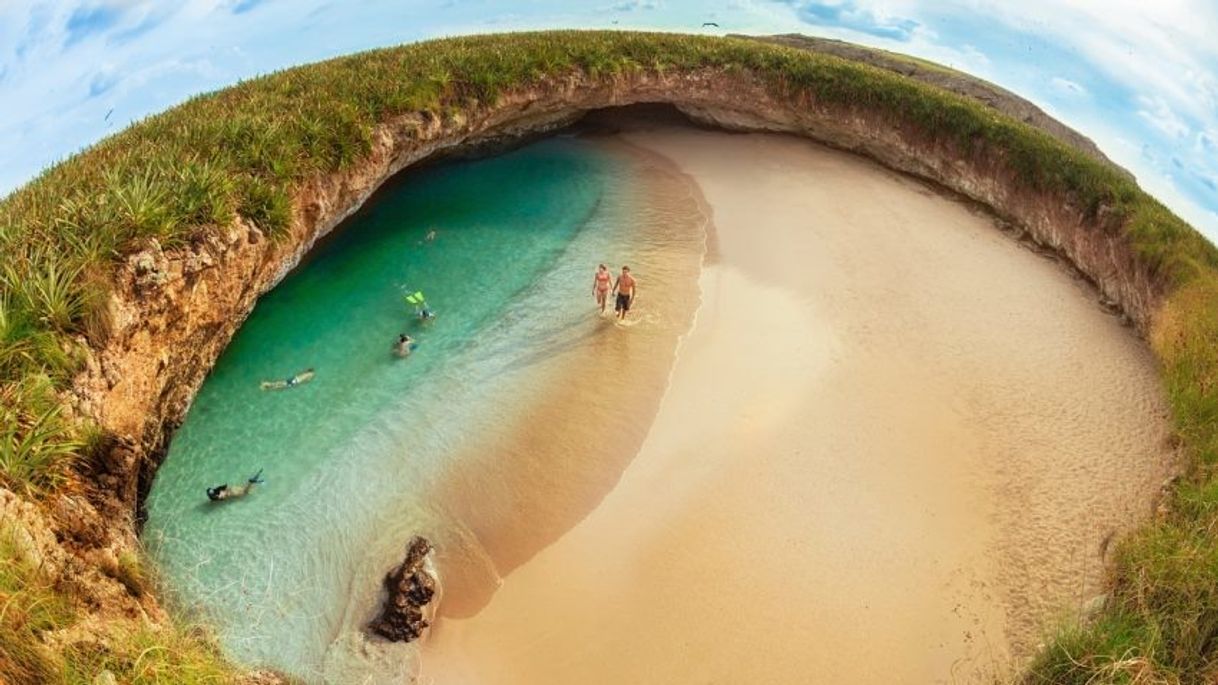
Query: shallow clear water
350 457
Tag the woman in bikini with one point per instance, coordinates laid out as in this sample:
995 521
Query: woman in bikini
602 282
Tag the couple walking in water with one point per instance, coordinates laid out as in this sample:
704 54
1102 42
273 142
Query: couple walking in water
603 284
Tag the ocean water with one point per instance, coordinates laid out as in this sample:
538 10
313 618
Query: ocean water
354 459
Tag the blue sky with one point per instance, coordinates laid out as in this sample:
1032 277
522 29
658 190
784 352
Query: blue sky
1138 77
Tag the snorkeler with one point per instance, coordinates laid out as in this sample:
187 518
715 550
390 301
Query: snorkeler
302 377
223 492
404 346
421 309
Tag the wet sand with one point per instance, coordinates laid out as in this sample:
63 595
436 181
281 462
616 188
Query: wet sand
578 414
892 448
558 426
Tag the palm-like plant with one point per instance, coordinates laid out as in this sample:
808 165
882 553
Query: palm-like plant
37 443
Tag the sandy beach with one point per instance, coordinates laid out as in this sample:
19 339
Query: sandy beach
892 449
566 413
577 414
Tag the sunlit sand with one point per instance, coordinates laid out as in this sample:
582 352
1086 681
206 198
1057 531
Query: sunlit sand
893 449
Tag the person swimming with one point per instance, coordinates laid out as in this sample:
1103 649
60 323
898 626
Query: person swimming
404 346
302 377
220 493
421 308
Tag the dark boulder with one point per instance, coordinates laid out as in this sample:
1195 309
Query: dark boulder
410 587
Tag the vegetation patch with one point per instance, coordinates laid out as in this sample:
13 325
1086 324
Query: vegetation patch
32 609
245 151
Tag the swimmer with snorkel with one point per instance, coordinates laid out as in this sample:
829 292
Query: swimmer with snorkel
302 377
220 493
421 309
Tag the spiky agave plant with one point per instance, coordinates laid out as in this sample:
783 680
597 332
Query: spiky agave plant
45 282
38 444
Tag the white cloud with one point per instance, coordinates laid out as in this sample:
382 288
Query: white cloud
1151 70
859 16
1207 142
1067 86
1156 111
632 5
1166 47
976 57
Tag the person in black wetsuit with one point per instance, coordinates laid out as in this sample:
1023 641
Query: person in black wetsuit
222 492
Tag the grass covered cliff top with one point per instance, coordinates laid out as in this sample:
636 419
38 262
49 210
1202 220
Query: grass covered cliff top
244 152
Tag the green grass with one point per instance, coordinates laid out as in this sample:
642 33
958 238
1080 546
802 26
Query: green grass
242 152
31 608
1116 648
38 445
149 655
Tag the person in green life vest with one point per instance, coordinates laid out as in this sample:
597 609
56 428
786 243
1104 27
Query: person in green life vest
421 309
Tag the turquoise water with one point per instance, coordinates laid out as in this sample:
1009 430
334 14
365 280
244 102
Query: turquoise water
288 572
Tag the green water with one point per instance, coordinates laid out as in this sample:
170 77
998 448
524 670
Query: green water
350 457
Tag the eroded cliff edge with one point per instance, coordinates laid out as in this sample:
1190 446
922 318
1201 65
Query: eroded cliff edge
175 311
984 92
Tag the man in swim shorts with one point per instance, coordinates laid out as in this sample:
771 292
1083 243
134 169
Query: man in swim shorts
602 283
626 287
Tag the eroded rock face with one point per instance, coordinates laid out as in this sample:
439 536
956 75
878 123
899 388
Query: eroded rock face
409 588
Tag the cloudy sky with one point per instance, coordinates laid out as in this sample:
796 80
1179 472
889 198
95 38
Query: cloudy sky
1139 77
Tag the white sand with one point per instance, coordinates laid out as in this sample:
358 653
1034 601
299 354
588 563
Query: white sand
892 446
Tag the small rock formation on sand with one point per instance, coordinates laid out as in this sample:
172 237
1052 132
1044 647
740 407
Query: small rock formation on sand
410 588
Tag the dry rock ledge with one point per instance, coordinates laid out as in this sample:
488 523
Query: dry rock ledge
175 311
